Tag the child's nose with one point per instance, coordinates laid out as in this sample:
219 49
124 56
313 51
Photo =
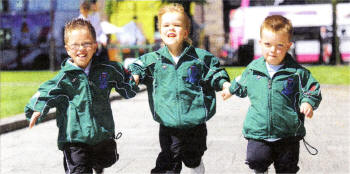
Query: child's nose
81 46
273 48
172 27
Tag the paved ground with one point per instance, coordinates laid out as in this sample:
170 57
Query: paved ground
34 151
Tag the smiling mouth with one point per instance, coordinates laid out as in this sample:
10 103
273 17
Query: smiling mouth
171 35
82 56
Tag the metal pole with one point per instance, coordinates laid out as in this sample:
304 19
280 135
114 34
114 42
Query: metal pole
52 48
335 57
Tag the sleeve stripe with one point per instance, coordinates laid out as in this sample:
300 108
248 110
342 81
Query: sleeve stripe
125 84
45 106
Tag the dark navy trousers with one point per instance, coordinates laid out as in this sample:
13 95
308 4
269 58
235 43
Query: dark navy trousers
180 145
284 154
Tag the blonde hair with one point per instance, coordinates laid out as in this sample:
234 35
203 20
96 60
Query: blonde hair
277 23
178 8
78 23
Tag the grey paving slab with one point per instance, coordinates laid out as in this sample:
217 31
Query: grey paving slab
30 151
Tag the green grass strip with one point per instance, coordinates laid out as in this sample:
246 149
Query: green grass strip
335 75
17 87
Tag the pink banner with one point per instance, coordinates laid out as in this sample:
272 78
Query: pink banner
245 3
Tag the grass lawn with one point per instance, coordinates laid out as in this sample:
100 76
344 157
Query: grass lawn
16 87
336 75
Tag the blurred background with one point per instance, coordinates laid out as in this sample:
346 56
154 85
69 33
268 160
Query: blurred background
31 31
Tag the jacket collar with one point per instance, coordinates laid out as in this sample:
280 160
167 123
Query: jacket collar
290 65
164 51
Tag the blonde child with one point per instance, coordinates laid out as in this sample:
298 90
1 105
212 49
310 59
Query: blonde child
80 92
181 81
281 93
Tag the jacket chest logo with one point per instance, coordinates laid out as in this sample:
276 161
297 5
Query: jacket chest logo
75 82
103 80
192 73
288 86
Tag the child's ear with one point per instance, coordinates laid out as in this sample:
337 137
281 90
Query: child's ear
289 44
187 34
95 46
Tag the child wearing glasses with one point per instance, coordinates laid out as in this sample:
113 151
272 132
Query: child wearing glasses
80 92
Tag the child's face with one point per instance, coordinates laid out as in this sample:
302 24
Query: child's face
172 29
80 46
274 46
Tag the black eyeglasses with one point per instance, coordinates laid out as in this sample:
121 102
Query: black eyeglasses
75 47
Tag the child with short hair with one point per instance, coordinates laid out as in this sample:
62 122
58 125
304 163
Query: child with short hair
281 93
181 81
80 92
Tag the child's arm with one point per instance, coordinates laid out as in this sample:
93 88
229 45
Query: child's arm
125 83
310 97
47 96
238 86
216 76
140 70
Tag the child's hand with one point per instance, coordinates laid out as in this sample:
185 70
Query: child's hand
226 94
226 91
307 110
34 118
226 85
136 78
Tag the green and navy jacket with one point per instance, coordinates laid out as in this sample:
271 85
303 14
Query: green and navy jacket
83 110
274 110
181 95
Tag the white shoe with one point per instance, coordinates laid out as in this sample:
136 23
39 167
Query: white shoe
199 169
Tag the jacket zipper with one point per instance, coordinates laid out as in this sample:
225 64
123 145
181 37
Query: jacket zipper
90 98
178 115
205 108
177 99
154 95
269 108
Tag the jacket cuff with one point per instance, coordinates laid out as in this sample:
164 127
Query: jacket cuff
136 70
39 106
233 87
311 102
221 83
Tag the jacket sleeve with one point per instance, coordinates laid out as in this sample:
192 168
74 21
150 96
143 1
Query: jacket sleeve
144 67
310 90
239 84
47 96
216 76
125 83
